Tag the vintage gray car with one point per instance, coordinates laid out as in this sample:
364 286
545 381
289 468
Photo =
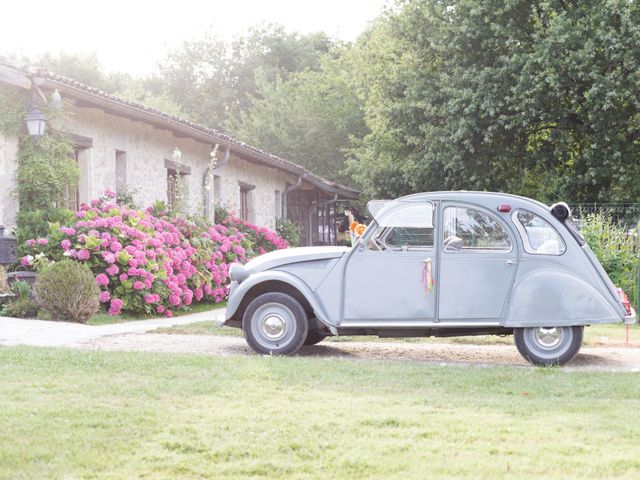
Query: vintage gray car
435 264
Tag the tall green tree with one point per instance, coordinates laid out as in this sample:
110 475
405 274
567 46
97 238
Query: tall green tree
536 97
310 118
213 80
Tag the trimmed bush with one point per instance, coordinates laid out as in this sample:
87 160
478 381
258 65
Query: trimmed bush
67 290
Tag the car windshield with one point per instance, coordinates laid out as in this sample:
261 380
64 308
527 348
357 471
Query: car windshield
402 213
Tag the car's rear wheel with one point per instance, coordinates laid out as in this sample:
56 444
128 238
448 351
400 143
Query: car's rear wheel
547 346
275 323
314 336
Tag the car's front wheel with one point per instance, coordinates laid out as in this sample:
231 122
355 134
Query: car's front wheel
275 323
547 346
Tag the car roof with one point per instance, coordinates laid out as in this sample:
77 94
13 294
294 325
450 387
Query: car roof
488 199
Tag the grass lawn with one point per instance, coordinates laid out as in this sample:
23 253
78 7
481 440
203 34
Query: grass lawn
593 335
105 318
81 414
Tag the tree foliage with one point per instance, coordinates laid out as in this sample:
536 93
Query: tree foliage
212 79
537 98
309 118
86 68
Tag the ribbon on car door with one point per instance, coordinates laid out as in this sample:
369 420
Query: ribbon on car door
427 276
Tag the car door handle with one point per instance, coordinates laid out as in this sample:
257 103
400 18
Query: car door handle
511 262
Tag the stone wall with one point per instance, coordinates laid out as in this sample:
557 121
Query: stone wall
262 199
144 151
8 200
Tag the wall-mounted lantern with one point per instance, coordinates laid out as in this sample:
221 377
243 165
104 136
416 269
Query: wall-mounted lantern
36 122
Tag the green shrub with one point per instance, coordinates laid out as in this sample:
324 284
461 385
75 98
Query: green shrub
616 249
288 230
68 291
21 308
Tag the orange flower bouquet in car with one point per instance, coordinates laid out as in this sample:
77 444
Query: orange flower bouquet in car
355 231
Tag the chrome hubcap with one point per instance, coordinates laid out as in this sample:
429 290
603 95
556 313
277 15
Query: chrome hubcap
548 337
274 327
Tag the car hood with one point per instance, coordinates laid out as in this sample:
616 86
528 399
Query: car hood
293 255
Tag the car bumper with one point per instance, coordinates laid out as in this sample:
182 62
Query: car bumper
629 319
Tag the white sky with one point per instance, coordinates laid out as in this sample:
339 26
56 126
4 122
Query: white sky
131 36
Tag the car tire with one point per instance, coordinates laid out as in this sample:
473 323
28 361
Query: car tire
275 323
314 337
546 346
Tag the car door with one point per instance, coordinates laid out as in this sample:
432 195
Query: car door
388 276
478 262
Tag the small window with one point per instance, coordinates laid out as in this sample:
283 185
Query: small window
70 192
278 204
176 186
538 236
121 172
468 229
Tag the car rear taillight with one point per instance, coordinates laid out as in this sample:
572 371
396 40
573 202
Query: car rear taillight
624 300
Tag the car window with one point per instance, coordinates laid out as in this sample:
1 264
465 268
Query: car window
468 229
409 237
403 226
538 236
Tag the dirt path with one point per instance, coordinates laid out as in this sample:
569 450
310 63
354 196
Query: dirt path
606 358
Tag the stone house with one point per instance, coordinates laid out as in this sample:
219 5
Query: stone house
128 147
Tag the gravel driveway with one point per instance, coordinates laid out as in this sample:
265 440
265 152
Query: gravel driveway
590 358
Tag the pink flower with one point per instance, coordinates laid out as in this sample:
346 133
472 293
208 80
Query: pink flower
109 257
123 277
160 309
80 214
148 299
104 296
112 270
65 244
26 260
116 306
68 231
168 313
174 300
30 243
109 193
138 285
83 254
102 279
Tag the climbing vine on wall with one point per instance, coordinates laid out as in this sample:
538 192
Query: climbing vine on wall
46 167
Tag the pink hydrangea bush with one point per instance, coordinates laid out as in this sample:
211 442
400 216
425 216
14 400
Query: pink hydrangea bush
262 239
151 263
